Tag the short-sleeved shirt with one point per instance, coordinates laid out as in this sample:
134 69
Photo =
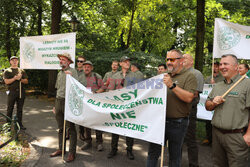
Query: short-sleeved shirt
118 81
108 75
176 108
217 79
10 73
234 112
139 76
200 79
81 76
94 81
61 81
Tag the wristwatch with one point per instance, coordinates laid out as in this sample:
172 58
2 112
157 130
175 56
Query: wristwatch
173 86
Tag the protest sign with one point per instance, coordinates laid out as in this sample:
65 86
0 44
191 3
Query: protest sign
40 52
137 111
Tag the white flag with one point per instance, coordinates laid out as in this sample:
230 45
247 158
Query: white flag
137 111
40 52
231 38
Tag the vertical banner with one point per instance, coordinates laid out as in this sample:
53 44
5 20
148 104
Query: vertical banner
40 52
231 38
202 113
137 111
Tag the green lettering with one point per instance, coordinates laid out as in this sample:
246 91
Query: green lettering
115 116
134 93
125 96
131 114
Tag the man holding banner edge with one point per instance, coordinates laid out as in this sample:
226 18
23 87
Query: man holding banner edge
181 88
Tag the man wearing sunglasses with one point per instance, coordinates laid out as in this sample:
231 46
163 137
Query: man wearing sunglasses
181 85
81 76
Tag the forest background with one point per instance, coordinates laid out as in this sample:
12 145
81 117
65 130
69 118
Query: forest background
108 29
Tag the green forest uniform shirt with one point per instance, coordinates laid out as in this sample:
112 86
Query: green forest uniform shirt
108 75
61 81
118 81
10 73
94 81
234 112
217 79
177 108
81 76
139 76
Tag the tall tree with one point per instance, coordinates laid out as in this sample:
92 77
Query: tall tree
55 29
200 32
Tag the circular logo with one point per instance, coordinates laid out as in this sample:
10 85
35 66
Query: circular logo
228 38
28 52
75 98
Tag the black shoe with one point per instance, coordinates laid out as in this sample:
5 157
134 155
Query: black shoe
130 155
112 153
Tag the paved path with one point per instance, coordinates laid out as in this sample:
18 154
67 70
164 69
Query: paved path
41 125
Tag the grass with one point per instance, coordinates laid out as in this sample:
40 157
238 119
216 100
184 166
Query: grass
13 154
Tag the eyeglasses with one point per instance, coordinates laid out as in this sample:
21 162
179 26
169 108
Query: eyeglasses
172 59
80 61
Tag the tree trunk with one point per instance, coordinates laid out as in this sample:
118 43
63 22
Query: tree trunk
130 27
200 32
7 35
39 20
55 29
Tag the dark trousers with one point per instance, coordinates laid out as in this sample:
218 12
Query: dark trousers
175 131
190 138
14 97
98 133
209 128
59 106
115 139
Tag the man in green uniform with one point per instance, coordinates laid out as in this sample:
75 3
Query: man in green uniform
92 81
122 79
81 78
136 69
231 116
191 131
217 77
15 79
108 75
65 61
182 85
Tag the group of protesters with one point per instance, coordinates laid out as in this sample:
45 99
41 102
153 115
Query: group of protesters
228 131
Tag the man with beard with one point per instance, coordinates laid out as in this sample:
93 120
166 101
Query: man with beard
231 125
182 85
65 61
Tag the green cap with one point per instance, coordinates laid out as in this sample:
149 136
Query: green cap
87 62
123 58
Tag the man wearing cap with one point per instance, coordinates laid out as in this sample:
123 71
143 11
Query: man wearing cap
93 81
108 75
65 61
136 69
231 119
15 78
122 79
81 78
190 137
181 86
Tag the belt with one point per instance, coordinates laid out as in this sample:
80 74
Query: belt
224 131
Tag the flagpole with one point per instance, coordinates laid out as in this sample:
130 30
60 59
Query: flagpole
162 155
63 144
212 70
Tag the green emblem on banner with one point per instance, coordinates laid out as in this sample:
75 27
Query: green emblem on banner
28 52
75 99
228 38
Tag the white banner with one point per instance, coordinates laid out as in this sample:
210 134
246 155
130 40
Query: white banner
202 113
40 52
137 111
231 38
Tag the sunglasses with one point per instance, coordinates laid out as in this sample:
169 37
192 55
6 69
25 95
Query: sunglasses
80 61
172 59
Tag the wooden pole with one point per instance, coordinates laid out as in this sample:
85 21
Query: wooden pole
63 147
162 155
236 83
212 70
